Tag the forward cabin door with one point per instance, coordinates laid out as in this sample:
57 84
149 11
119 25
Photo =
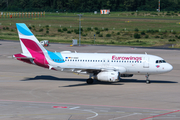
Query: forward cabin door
146 62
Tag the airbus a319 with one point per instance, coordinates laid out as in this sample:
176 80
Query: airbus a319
100 66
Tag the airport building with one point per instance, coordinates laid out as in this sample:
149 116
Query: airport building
105 11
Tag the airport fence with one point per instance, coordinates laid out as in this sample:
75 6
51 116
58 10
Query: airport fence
21 14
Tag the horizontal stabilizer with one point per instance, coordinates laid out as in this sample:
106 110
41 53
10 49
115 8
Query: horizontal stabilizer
20 56
23 58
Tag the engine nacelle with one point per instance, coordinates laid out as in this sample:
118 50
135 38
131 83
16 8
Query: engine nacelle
110 76
126 75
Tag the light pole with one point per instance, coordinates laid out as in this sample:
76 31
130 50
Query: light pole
94 38
159 6
80 15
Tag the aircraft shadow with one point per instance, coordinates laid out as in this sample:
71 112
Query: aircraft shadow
144 81
121 82
48 77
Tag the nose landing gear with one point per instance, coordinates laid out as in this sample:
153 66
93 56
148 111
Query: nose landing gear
147 79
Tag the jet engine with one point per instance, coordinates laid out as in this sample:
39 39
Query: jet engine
110 76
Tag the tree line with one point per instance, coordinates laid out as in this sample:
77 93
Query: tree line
88 5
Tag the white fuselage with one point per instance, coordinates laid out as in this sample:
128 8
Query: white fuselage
124 63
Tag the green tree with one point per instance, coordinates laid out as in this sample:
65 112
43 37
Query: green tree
87 5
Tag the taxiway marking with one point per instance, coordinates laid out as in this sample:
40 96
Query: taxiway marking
74 108
125 116
96 114
86 104
160 115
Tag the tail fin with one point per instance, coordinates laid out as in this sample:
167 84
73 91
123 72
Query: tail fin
29 42
31 48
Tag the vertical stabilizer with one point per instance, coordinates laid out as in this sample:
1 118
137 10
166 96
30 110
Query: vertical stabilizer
28 41
30 45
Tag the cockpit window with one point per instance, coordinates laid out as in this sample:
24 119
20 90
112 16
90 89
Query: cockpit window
160 61
163 61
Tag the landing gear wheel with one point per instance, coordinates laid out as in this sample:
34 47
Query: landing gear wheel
148 82
147 79
89 81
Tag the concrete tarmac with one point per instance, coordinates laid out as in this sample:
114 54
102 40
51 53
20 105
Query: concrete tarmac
29 92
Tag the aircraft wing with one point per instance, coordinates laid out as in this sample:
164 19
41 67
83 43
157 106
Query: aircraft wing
89 69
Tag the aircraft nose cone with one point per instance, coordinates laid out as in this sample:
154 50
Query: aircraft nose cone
169 67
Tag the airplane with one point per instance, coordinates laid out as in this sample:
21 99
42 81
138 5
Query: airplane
109 67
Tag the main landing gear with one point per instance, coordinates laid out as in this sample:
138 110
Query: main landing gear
90 80
147 80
